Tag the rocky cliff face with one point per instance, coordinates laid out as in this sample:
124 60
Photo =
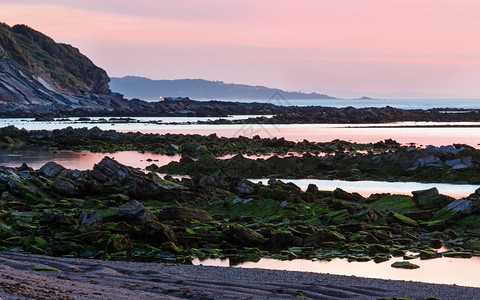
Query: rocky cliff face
58 66
38 76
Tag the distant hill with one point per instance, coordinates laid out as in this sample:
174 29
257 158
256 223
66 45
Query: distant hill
144 88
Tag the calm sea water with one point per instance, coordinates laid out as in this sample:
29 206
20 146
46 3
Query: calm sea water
398 103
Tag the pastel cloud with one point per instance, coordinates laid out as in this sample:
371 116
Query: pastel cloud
368 45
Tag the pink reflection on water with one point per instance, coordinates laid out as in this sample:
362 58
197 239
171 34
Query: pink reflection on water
443 270
85 160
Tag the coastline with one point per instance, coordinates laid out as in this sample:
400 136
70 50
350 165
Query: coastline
96 279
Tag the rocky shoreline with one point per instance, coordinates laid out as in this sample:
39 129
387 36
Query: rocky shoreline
118 212
114 105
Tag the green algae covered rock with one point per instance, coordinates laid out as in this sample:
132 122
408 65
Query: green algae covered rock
243 236
404 265
323 236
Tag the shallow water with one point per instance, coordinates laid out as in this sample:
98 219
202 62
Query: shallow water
444 270
366 188
36 157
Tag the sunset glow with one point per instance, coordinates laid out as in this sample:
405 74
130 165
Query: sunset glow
365 46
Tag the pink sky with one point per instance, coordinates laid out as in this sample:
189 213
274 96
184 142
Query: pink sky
429 46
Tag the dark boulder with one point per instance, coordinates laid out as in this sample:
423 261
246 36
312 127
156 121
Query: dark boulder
110 171
285 239
428 192
54 218
157 233
51 169
246 187
341 194
120 243
65 187
135 213
88 221
243 236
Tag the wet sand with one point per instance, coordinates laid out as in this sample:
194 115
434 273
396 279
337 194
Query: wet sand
94 279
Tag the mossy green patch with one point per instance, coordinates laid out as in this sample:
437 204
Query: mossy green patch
404 220
397 203
45 269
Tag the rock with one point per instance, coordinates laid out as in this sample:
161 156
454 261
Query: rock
428 192
341 194
381 258
54 218
429 254
157 233
65 187
404 265
135 213
404 220
243 236
436 243
170 247
24 168
475 206
460 167
457 254
183 213
109 171
468 161
51 169
322 236
120 243
453 162
374 249
123 227
285 239
428 161
312 188
454 210
246 187
88 221
352 227
449 149
272 181
430 199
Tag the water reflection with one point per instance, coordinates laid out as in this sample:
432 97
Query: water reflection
443 270
366 187
36 157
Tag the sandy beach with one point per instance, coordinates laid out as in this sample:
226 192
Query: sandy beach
42 277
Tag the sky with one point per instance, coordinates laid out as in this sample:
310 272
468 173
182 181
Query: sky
372 47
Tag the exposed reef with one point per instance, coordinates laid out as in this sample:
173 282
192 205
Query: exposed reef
386 160
115 211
